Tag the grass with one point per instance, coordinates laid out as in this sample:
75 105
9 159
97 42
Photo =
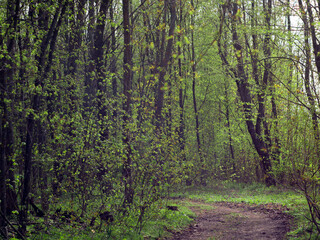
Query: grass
247 193
161 221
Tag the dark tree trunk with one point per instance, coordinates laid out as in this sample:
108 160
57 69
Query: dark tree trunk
90 81
113 70
95 75
255 130
309 26
113 64
75 37
44 64
3 157
3 170
7 197
127 79
164 64
315 41
98 58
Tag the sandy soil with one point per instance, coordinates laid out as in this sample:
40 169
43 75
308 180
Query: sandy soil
229 221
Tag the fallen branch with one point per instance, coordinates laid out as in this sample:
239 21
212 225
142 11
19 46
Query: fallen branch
9 223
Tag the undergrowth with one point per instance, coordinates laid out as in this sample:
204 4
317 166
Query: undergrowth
161 222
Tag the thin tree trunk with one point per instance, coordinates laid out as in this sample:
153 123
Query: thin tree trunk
231 148
268 83
290 70
113 65
195 108
181 98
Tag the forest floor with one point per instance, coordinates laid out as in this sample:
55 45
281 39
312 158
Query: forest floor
224 220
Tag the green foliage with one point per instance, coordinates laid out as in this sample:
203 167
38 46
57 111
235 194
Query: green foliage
65 119
160 222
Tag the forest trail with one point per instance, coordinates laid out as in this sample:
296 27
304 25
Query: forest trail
239 221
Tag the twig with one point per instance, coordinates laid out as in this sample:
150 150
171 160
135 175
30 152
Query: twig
16 230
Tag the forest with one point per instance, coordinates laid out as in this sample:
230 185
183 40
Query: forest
109 109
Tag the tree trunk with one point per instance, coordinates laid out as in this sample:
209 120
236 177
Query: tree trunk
43 70
90 81
181 97
3 157
309 26
127 81
163 66
113 64
7 196
230 142
239 72
98 59
195 108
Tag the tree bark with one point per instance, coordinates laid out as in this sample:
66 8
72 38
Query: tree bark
43 69
127 81
90 81
195 107
310 26
98 58
231 148
241 76
163 66
181 96
3 159
6 132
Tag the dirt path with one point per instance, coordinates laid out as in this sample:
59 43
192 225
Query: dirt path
236 221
